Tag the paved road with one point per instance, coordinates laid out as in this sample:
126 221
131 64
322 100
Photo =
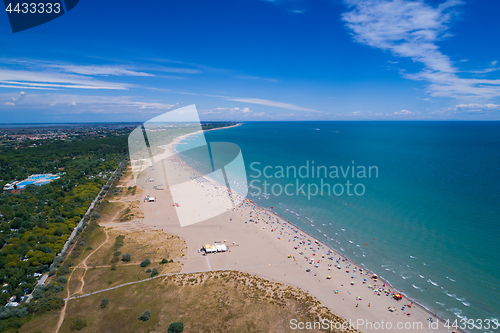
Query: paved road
72 236
80 224
40 282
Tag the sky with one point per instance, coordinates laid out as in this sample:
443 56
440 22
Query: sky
255 60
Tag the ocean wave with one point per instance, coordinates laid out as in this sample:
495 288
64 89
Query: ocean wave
457 312
417 287
404 277
449 278
421 276
451 295
432 282
465 303
413 257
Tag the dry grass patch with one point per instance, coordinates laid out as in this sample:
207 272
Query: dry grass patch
110 210
227 301
46 322
132 211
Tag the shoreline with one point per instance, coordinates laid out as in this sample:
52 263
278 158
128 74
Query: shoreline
382 279
297 278
336 251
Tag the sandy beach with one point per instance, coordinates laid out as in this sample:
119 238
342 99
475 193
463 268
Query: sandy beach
263 243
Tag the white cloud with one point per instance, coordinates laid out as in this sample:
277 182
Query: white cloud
81 103
269 103
234 110
45 79
403 112
98 70
474 108
411 29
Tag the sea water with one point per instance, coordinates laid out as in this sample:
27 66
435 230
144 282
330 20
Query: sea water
428 220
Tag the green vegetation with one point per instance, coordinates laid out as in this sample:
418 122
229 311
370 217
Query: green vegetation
145 316
126 257
119 242
36 221
145 262
175 327
77 325
154 272
104 303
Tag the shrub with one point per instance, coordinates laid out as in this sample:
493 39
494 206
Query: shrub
154 272
171 260
62 279
104 303
145 262
77 325
126 257
148 270
46 304
164 261
145 316
113 267
119 242
175 327
52 271
89 247
95 215
64 270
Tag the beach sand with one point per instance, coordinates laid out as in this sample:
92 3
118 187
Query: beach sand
262 243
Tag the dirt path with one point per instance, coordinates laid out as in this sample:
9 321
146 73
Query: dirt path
63 311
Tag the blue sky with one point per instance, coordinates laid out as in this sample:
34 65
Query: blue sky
256 60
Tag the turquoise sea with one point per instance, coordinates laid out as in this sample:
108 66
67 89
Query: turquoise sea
429 223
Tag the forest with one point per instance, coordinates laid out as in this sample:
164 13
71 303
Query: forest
35 223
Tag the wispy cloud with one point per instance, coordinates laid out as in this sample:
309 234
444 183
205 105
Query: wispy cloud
269 103
73 103
492 68
97 70
403 113
470 109
411 29
54 80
